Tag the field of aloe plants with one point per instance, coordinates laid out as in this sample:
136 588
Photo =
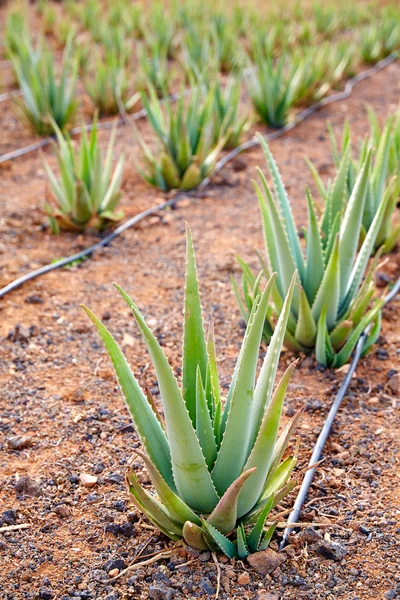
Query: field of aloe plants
241 162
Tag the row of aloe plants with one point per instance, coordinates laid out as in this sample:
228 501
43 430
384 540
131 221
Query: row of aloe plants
275 82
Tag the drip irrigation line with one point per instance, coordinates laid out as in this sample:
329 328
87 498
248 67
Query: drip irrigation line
181 194
63 262
324 434
136 116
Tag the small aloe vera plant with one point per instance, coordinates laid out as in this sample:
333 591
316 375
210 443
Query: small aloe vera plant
185 133
46 98
86 192
215 466
330 307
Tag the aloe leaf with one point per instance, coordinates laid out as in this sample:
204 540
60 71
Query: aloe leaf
274 484
148 427
190 472
267 537
350 227
204 426
152 508
344 354
306 328
262 453
263 391
213 367
232 456
194 343
177 510
315 259
339 186
193 536
242 547
285 206
340 334
329 291
323 348
373 334
224 515
254 537
227 547
282 442
270 241
285 263
318 181
365 252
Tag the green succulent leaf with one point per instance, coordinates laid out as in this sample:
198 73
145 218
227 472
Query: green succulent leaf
149 428
190 472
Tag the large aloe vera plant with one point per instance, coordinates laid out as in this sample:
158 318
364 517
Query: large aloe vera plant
215 466
330 307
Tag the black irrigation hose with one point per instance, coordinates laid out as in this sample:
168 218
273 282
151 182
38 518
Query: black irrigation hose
219 166
136 116
323 436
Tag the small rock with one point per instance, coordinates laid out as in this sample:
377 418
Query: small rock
81 328
266 561
309 536
128 340
127 529
113 572
9 517
364 530
19 442
114 563
264 595
390 595
205 556
34 299
62 510
394 384
332 550
206 587
87 480
19 334
243 579
25 486
45 594
99 575
161 592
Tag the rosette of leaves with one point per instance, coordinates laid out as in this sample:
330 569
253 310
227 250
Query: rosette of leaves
383 143
330 307
272 86
187 150
227 113
46 97
215 465
108 83
86 192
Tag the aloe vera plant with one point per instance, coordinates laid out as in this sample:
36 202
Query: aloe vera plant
185 131
108 84
214 466
228 119
330 308
86 192
272 87
46 98
384 146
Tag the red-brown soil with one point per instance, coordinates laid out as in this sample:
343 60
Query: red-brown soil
58 390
